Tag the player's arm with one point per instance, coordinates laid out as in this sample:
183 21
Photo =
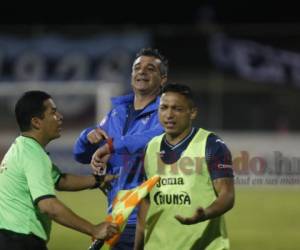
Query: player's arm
141 216
224 202
89 140
125 144
220 168
61 214
69 182
83 149
101 156
225 191
140 227
221 172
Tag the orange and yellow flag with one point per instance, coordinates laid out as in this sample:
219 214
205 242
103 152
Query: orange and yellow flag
125 202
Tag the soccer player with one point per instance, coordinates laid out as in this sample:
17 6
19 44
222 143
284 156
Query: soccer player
28 178
119 140
184 210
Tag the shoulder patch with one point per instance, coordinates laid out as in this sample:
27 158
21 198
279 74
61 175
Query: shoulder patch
146 119
219 140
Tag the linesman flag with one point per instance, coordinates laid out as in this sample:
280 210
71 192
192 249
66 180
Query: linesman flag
122 206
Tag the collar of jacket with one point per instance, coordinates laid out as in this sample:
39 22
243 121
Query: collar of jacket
128 99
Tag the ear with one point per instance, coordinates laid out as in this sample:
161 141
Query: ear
194 113
35 122
164 79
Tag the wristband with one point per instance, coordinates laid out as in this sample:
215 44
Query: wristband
98 181
109 142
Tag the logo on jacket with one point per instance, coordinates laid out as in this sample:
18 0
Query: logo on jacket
170 181
181 198
146 119
114 113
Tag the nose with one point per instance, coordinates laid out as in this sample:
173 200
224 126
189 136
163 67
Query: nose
60 116
169 113
142 70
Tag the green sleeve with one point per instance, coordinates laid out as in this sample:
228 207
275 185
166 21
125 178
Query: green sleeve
38 171
56 174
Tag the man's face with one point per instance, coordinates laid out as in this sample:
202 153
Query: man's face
146 77
51 123
175 113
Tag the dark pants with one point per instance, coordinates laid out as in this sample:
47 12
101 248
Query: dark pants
15 241
126 241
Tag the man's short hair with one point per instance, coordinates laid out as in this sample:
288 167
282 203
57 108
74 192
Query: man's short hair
29 105
155 53
180 89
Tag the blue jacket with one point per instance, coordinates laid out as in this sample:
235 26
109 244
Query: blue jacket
127 159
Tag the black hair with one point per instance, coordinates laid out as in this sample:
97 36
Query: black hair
155 53
29 105
180 89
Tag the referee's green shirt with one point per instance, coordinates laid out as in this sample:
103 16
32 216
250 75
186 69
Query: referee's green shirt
27 175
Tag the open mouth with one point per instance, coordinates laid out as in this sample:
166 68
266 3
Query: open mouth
141 81
170 125
142 78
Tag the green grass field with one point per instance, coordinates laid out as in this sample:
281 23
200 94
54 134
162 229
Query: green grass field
262 219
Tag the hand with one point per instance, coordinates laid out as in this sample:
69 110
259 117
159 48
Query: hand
96 135
198 216
99 160
105 230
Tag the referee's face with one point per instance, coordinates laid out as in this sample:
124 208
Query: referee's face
176 115
51 123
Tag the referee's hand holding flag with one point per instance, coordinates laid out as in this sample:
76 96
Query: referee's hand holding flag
123 205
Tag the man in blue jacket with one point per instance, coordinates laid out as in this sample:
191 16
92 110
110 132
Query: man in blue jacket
117 143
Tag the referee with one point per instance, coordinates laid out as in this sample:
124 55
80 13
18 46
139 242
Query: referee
28 180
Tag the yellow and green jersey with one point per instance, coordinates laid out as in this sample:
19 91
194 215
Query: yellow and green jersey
27 175
184 186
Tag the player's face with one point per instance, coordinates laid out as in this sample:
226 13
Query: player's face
51 123
176 114
146 77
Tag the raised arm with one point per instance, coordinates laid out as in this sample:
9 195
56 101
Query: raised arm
89 140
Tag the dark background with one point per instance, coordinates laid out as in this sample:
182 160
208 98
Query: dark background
182 32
